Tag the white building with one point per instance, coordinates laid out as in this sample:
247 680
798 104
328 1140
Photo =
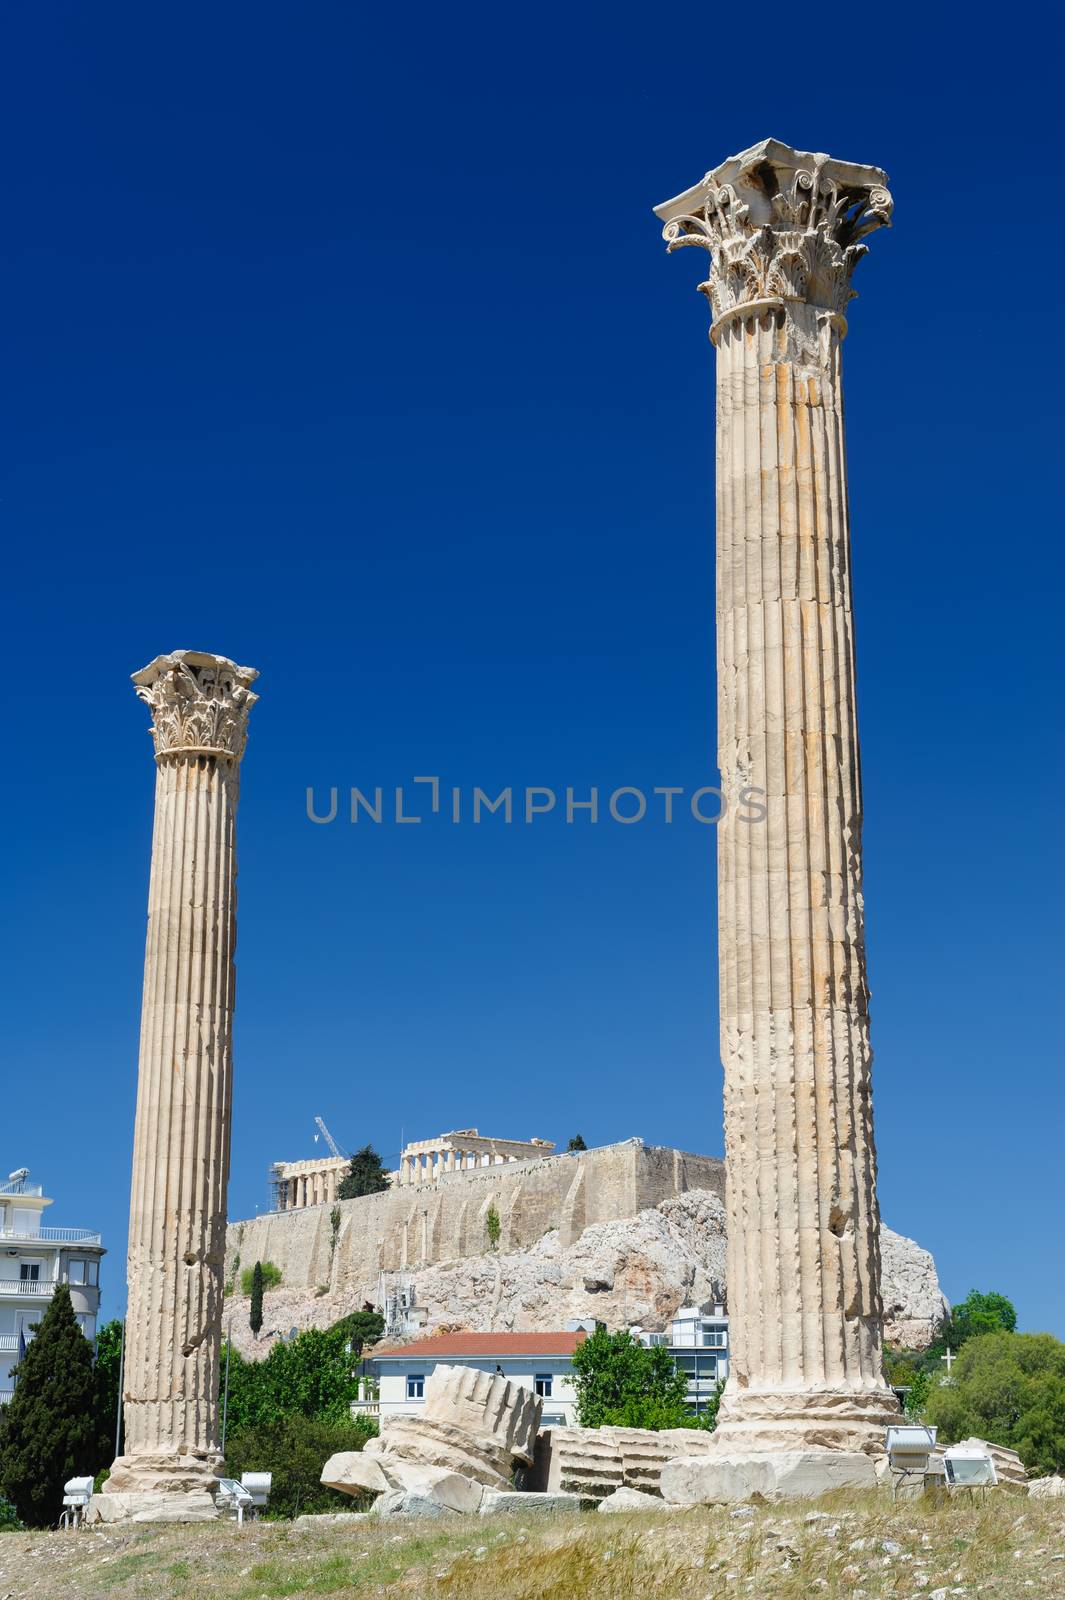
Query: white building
698 1342
33 1259
542 1362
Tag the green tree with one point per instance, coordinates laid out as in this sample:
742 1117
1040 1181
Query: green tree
313 1375
492 1225
616 1377
1008 1388
577 1142
366 1175
51 1431
982 1313
255 1310
108 1410
294 1449
271 1276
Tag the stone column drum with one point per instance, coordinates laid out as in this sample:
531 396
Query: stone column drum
199 705
784 230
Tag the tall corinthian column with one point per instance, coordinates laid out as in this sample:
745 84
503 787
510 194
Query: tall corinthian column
784 230
199 705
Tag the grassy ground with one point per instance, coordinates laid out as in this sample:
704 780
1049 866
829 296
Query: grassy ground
1006 1548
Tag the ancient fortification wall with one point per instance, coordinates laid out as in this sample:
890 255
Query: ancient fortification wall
409 1228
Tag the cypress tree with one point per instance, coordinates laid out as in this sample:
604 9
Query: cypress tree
51 1432
255 1313
366 1175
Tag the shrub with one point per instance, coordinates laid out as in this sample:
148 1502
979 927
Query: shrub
271 1276
295 1449
9 1518
492 1225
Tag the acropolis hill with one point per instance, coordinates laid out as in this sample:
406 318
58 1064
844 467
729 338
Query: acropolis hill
411 1226
625 1233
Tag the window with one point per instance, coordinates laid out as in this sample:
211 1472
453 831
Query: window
714 1338
415 1385
29 1271
75 1272
542 1384
92 1273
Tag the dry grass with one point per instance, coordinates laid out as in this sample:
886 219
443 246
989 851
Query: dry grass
1004 1548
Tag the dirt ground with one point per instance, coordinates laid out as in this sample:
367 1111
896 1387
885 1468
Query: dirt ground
1007 1547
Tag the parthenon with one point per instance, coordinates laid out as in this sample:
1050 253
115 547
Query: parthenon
428 1160
295 1184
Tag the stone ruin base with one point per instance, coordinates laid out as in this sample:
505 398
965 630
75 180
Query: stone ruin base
196 1506
721 1479
475 1428
757 1421
164 1487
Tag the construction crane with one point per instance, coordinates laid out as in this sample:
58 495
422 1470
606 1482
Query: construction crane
330 1141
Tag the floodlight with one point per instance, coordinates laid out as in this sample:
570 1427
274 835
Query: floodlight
968 1467
258 1486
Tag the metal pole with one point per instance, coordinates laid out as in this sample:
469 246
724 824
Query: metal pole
121 1382
225 1394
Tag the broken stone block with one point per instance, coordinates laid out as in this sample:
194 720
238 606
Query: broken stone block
631 1500
523 1502
354 1472
788 1474
398 1504
486 1405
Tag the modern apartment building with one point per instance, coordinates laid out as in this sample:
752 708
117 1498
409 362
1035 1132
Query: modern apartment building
34 1257
698 1343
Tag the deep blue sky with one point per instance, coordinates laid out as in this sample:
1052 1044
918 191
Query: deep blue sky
345 344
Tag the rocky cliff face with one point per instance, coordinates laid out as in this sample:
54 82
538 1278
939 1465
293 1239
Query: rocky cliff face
632 1270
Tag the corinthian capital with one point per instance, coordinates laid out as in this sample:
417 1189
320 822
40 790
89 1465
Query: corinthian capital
780 224
199 703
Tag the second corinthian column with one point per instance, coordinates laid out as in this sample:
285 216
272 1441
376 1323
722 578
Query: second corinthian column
784 230
199 705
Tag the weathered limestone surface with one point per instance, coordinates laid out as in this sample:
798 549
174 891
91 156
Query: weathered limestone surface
718 1479
169 1505
474 1428
630 1500
630 1270
596 1462
199 706
784 230
485 1404
508 1500
1050 1488
409 1228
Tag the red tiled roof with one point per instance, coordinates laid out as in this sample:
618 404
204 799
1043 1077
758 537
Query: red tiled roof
481 1344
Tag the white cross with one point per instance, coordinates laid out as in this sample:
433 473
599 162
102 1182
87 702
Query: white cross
949 1359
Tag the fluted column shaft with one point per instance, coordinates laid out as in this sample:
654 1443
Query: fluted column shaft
184 1085
180 1148
803 1225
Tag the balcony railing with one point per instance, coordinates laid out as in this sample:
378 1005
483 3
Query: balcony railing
53 1235
9 1341
30 1286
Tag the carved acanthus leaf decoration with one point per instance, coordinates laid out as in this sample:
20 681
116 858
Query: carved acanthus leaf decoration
807 253
199 703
